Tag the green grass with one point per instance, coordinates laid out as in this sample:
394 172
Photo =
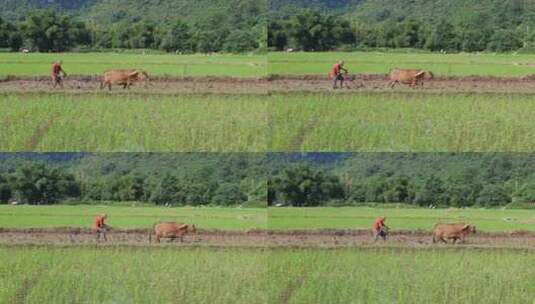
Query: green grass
161 65
132 123
377 62
491 220
131 217
386 122
131 275
401 276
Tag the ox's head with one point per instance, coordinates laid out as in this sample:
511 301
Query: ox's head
192 229
469 228
139 75
429 75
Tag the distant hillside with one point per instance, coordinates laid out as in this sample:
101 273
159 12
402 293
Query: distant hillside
185 26
158 11
435 25
15 9
501 12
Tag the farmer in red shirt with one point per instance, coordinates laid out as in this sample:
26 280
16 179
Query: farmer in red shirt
336 74
57 74
380 229
100 227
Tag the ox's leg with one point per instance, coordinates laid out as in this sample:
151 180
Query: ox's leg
443 240
109 86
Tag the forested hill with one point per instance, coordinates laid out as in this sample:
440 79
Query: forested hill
15 9
185 26
436 25
332 5
157 11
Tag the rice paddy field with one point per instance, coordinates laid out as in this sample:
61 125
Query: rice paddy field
124 217
132 123
401 276
308 122
17 64
482 64
490 220
237 263
131 217
401 122
132 275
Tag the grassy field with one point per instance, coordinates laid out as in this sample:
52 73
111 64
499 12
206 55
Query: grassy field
196 275
396 122
132 123
491 220
161 65
131 217
382 63
401 276
131 275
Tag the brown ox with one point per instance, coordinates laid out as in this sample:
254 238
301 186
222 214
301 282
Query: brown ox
452 231
171 230
123 77
411 77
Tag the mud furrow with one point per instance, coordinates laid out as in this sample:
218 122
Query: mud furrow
273 84
261 238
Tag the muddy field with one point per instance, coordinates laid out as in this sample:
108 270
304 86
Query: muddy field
375 82
259 238
162 85
274 84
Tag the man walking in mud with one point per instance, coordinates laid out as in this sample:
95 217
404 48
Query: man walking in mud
380 229
58 74
100 226
336 74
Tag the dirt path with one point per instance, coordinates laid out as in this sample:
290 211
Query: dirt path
379 83
187 85
273 84
261 238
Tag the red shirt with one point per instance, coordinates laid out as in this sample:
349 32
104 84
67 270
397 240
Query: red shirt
56 68
335 70
379 223
99 222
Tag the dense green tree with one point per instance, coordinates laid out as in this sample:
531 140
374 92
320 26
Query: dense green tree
46 31
240 41
178 38
303 185
493 195
5 190
526 194
39 184
229 194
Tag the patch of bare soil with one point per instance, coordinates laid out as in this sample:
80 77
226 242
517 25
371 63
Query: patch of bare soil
272 84
380 83
157 85
261 238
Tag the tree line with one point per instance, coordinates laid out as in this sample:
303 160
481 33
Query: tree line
162 180
314 30
448 181
47 31
306 180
